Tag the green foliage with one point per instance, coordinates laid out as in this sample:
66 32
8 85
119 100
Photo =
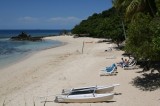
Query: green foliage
105 25
139 37
143 34
155 30
144 37
158 7
135 6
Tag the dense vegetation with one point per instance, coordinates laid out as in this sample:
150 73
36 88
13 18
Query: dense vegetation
135 21
143 33
104 25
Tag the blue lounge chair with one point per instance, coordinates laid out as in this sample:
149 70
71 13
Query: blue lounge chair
109 70
113 65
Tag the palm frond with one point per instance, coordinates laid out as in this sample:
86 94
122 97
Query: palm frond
118 3
133 8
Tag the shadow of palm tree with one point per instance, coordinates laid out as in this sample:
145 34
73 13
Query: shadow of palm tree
148 82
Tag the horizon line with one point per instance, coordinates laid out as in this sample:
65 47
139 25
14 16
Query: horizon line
37 29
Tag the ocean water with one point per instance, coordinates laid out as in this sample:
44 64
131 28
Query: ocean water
12 51
10 33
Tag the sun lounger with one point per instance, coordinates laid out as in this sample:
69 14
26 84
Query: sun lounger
132 65
109 70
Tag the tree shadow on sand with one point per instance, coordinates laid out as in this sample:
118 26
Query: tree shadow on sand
147 82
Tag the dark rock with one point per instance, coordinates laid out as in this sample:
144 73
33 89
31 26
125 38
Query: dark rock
24 36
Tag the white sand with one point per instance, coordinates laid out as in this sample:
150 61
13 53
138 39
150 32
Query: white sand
47 72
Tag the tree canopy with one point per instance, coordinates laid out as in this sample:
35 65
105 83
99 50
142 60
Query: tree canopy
104 25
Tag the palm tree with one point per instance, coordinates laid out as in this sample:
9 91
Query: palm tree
135 6
132 7
118 4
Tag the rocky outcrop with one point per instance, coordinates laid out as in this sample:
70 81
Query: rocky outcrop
24 36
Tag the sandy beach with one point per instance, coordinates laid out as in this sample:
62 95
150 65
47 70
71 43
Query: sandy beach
42 75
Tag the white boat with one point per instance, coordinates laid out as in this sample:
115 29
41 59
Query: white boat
91 89
84 98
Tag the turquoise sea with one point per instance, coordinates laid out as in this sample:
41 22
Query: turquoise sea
12 51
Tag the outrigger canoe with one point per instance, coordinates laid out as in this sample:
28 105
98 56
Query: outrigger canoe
84 98
91 89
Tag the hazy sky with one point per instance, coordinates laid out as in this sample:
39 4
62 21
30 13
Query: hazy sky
48 14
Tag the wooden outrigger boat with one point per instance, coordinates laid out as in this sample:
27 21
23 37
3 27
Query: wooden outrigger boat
84 98
91 89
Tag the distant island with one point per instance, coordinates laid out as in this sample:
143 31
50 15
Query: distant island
23 36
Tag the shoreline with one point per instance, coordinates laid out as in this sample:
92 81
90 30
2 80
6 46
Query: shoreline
49 71
25 55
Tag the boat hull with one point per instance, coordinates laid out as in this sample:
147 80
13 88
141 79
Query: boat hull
96 89
84 98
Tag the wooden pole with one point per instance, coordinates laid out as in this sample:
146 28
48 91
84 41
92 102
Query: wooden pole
82 47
